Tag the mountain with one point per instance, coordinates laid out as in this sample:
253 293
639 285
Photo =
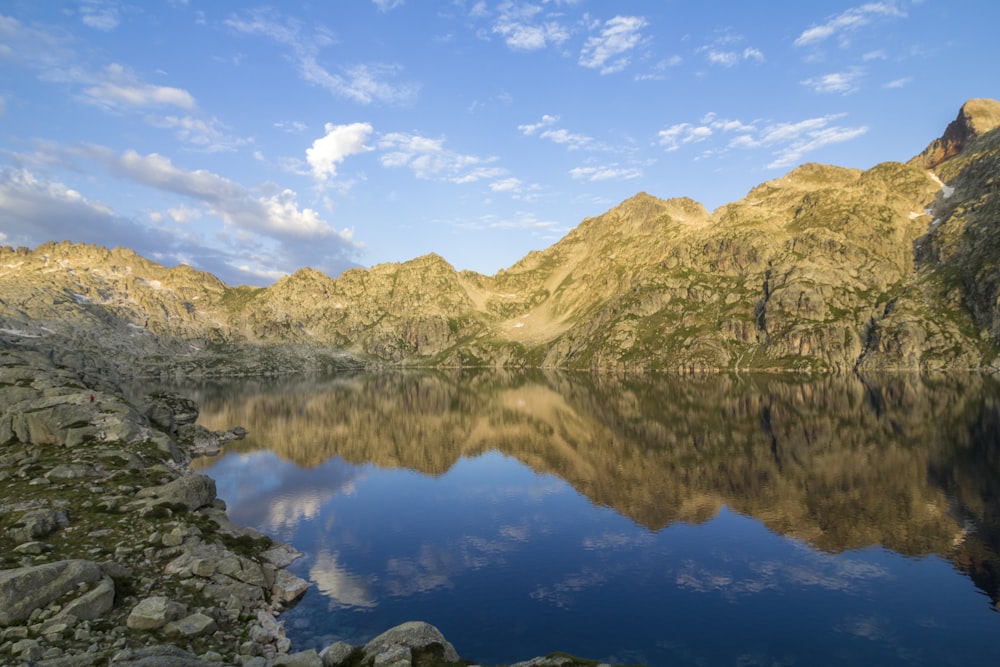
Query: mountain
823 269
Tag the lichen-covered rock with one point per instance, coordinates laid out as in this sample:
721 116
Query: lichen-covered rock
190 491
392 645
154 612
24 589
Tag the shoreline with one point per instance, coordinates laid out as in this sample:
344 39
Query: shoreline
115 552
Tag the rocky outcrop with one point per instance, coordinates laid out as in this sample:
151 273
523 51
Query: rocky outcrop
101 530
975 118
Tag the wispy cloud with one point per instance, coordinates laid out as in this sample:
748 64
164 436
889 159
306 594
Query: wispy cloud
607 51
387 5
524 28
545 129
836 82
848 21
364 83
788 142
611 172
429 158
732 58
100 14
899 83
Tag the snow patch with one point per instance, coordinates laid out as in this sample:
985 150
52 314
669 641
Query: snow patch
80 298
947 191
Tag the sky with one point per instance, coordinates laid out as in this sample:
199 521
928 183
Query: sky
250 140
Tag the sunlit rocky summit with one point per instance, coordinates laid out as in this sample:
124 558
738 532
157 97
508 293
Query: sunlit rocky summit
823 269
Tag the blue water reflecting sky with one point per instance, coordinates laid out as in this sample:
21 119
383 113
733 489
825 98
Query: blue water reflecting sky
510 563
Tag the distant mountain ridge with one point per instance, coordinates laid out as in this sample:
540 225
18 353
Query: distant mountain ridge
823 269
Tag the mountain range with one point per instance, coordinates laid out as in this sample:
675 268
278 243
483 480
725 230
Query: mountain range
824 269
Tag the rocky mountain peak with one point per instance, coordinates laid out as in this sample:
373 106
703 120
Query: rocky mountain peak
975 118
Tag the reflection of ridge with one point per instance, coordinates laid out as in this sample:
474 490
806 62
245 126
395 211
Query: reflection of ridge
839 463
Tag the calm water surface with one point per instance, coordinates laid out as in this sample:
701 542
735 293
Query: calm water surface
664 521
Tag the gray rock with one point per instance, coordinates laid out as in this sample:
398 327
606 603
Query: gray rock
287 587
336 653
94 603
37 523
169 411
410 635
300 659
191 491
160 656
192 626
154 612
24 589
72 471
281 555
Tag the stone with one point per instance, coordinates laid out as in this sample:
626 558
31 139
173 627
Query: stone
410 635
93 604
72 471
299 659
192 491
154 612
37 523
288 587
281 555
336 653
193 625
159 656
26 589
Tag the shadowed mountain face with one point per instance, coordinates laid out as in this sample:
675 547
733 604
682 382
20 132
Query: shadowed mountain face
825 268
907 462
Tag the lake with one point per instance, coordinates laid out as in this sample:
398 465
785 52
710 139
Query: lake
661 520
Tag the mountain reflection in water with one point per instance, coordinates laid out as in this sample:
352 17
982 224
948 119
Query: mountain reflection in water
652 519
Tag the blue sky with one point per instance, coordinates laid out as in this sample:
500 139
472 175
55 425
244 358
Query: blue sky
251 140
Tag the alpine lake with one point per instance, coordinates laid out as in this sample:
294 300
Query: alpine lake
644 519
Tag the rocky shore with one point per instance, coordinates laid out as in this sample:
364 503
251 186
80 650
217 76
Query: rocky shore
114 553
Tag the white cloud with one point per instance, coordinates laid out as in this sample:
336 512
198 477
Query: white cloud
387 5
835 82
363 83
118 87
605 173
849 21
184 214
207 134
340 142
100 14
731 58
607 50
522 30
899 83
512 185
545 130
428 158
789 142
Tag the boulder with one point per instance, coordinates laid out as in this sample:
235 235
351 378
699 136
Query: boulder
170 411
192 626
24 589
335 654
396 644
287 587
36 524
93 604
154 612
191 491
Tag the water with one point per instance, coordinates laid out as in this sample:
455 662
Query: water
654 520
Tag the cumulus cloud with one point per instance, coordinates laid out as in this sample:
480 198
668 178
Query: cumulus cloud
523 30
364 83
339 142
680 134
607 50
849 21
429 158
835 82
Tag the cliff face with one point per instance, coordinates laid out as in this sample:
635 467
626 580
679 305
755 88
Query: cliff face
825 268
